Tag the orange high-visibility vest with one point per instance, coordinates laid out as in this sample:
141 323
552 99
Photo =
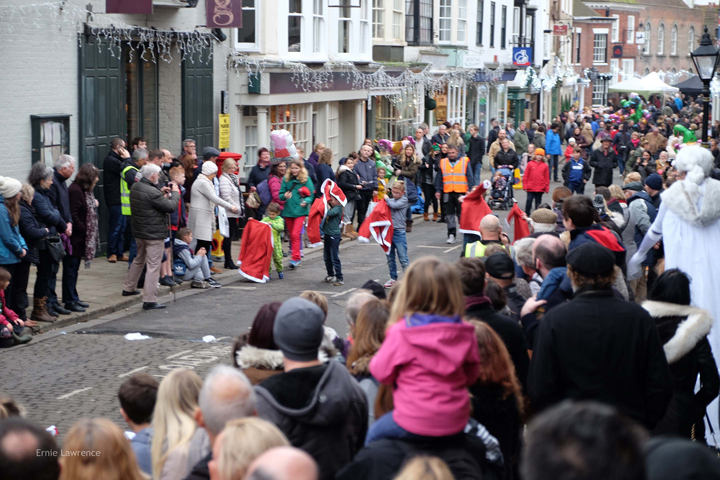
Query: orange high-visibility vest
454 178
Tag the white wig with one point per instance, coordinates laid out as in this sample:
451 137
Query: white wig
696 161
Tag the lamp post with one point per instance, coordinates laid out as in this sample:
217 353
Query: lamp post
705 58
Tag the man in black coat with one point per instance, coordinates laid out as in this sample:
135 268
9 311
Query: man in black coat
475 152
442 135
598 347
478 307
604 161
493 133
112 169
58 194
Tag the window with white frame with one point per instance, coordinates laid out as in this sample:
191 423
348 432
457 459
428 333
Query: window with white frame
480 18
333 127
691 39
318 24
492 24
631 29
397 19
295 24
462 23
673 40
648 33
614 69
294 119
599 91
615 32
378 19
247 35
365 40
628 68
600 48
344 29
418 22
503 27
661 39
445 23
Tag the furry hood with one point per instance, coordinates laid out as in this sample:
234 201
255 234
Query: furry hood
253 357
690 331
682 199
343 168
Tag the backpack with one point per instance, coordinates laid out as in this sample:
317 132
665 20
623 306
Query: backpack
263 190
179 268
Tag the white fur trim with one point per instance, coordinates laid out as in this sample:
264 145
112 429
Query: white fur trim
253 357
682 198
690 331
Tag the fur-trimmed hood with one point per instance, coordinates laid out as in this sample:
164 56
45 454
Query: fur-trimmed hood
682 201
253 357
690 331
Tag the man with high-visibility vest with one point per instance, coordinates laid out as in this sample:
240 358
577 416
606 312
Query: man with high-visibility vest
491 232
129 175
450 185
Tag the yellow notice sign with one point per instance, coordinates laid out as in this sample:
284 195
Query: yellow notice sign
224 140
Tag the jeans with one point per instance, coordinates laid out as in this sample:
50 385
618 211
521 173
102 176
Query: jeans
473 174
399 245
71 270
362 205
537 197
295 226
553 166
622 158
116 229
331 255
578 188
386 427
429 194
133 251
45 270
18 300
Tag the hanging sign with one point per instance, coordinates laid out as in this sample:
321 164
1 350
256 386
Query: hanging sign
617 51
224 140
640 38
129 6
223 14
560 30
522 56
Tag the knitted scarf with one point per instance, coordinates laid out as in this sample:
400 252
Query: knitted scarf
92 238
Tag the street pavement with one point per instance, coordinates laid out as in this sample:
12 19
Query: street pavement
74 372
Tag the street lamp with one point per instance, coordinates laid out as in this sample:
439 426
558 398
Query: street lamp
705 58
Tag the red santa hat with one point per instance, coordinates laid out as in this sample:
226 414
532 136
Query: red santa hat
474 209
378 225
256 249
319 210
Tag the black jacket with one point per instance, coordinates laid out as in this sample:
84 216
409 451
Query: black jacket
440 139
603 165
201 471
311 175
587 172
688 352
383 459
507 158
48 216
511 334
112 168
427 173
323 172
348 181
321 410
32 233
476 149
150 210
492 136
597 347
257 175
59 196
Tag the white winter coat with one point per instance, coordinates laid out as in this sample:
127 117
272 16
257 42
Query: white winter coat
231 194
203 199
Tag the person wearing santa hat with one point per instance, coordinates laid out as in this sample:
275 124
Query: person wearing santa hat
331 248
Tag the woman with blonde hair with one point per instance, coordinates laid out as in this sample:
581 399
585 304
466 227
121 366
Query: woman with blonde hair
296 190
425 468
240 443
497 399
107 454
230 192
456 141
174 427
368 335
429 353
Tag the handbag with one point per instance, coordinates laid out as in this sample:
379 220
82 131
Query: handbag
223 223
55 247
253 201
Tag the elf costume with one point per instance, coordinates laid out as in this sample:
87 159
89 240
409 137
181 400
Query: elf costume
278 226
256 251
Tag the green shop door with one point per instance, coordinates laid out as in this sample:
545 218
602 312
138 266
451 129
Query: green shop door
197 97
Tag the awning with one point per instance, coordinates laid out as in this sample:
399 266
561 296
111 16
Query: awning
520 80
646 86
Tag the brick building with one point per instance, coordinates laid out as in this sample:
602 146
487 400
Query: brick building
591 49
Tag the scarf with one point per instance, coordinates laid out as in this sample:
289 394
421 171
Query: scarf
635 142
552 282
479 299
92 237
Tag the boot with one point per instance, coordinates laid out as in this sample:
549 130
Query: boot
351 232
435 216
344 231
40 312
426 217
20 339
408 226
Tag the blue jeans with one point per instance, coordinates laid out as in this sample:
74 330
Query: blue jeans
331 255
553 166
622 158
399 245
578 188
71 270
385 427
133 251
116 230
473 174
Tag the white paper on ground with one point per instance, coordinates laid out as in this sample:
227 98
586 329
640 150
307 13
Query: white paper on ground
209 339
136 336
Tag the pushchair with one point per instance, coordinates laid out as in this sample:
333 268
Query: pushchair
503 198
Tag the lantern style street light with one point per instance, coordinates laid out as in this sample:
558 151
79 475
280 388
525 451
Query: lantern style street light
705 58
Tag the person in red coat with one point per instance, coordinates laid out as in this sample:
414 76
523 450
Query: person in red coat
536 180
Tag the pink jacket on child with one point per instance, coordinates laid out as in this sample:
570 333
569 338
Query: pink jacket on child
6 313
431 360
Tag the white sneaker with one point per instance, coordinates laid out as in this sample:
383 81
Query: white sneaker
389 283
451 238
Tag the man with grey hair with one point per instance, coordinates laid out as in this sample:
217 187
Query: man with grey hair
524 258
189 148
150 206
58 194
226 395
283 463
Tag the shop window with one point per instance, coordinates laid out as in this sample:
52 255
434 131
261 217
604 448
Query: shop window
294 119
50 137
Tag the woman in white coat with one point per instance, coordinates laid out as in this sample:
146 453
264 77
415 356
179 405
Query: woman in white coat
201 219
230 192
689 224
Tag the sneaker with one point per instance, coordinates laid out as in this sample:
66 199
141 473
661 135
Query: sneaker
389 283
294 264
167 282
177 281
280 275
451 238
338 282
214 283
328 279
202 285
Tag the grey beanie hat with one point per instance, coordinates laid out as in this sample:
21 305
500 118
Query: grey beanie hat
298 329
